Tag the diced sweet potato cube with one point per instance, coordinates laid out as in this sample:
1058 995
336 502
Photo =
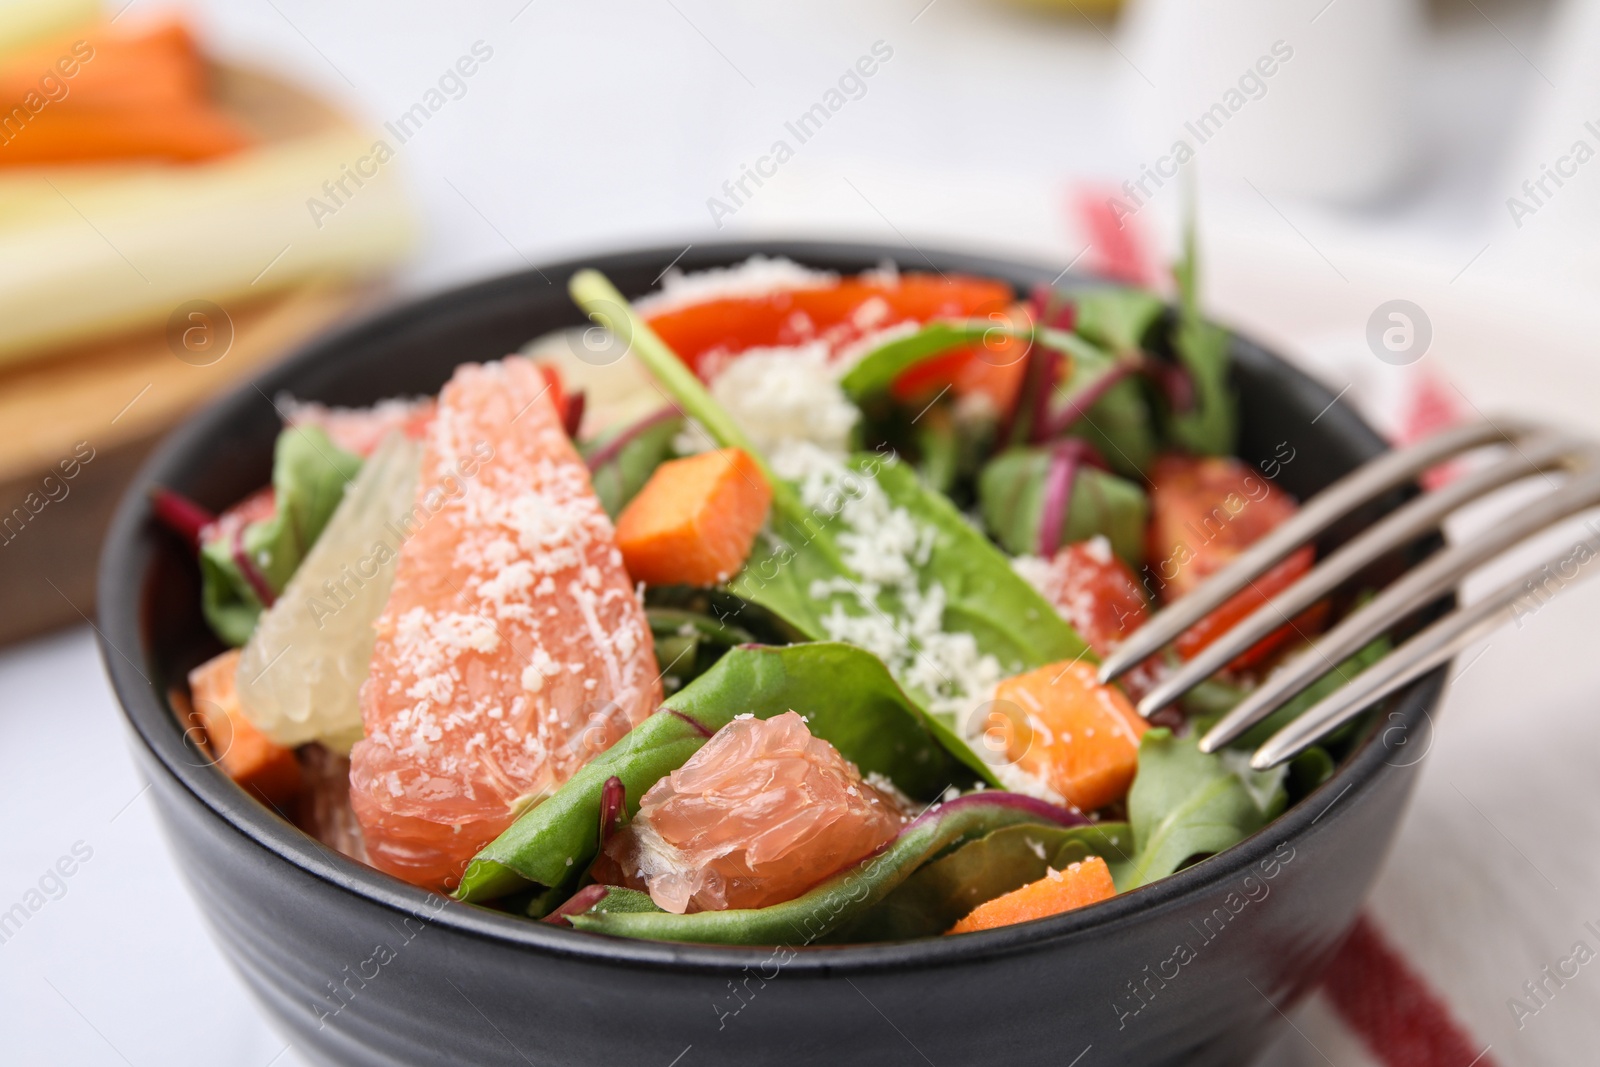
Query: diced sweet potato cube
257 763
1083 883
695 519
1080 737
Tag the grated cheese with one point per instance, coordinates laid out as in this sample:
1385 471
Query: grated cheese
756 276
779 395
883 606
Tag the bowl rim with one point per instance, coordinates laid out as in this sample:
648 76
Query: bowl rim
127 552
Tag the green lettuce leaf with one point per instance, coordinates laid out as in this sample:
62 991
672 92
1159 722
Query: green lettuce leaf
878 368
1011 497
845 693
1185 803
309 475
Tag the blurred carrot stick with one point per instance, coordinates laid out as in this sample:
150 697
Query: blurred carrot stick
80 135
103 65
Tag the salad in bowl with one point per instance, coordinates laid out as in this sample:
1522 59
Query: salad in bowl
765 608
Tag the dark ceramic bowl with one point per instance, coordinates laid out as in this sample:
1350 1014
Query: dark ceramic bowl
358 968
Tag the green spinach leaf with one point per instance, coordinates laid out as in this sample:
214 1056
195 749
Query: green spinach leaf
1011 496
1113 412
808 583
623 460
1117 318
1184 804
878 369
309 475
689 643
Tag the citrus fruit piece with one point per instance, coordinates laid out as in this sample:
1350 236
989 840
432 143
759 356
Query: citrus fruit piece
513 647
763 812
250 758
362 430
301 673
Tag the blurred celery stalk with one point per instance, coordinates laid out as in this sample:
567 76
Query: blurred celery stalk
85 251
27 22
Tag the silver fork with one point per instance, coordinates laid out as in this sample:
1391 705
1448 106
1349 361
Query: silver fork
1533 450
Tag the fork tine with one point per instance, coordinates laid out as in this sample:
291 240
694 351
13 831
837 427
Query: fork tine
1427 650
1320 512
1422 515
1412 591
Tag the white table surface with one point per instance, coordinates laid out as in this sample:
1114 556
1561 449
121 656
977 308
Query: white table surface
595 126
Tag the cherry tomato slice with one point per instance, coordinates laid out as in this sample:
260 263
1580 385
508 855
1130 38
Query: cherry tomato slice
1244 603
1097 593
838 313
1204 511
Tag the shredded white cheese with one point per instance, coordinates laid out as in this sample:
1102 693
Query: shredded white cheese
883 605
756 276
781 395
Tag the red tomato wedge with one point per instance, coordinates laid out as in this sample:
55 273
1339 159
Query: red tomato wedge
837 313
1245 602
1096 592
996 373
1204 511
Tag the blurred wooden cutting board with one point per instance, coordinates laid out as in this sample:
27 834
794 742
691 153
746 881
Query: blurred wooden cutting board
110 401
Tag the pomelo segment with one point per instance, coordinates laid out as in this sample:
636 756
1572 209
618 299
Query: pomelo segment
513 648
362 430
763 812
301 673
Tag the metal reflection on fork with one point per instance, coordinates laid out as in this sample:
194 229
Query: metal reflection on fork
1535 450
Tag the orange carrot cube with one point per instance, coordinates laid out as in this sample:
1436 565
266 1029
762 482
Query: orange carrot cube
695 519
1080 737
259 764
1086 882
